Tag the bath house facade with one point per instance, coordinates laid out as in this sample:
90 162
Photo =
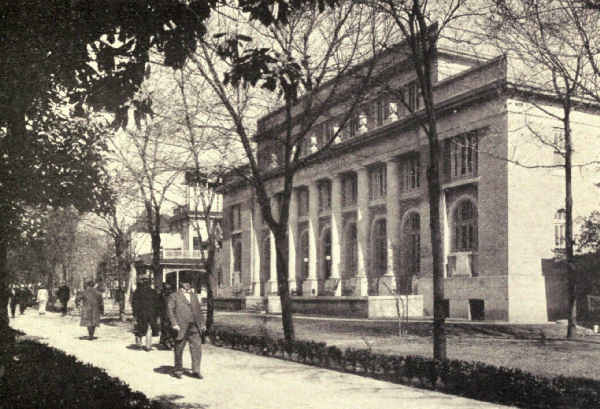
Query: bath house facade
359 217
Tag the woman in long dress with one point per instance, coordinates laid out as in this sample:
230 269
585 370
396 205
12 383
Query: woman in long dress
92 307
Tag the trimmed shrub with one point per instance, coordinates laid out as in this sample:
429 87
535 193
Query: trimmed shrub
509 386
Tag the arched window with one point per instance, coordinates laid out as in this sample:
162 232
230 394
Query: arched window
465 226
304 254
326 253
412 243
351 250
265 261
380 247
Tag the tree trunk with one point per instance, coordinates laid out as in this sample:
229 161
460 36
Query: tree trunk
281 249
572 284
6 334
210 299
439 336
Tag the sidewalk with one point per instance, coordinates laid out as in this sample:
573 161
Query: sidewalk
232 379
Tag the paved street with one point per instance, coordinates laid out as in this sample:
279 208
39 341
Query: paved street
232 379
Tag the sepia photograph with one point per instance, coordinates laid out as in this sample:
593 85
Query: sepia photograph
265 204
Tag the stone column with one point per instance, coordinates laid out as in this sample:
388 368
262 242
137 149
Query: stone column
388 282
292 238
272 283
336 231
310 285
256 249
362 227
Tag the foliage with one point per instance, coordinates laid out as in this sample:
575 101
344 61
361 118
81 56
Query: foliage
33 382
508 386
589 233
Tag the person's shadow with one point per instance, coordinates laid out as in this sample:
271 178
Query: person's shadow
165 369
135 347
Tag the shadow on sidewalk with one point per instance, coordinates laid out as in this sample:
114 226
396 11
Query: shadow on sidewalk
165 369
168 402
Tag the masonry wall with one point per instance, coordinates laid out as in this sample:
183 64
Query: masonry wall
536 193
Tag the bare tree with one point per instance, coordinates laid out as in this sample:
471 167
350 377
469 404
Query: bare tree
421 24
541 34
308 64
151 164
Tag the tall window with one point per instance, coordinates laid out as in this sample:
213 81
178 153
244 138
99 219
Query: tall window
304 254
382 110
412 240
410 173
351 250
302 195
415 99
349 189
265 261
326 254
353 126
380 247
463 156
465 226
377 182
196 243
324 187
236 217
237 253
559 229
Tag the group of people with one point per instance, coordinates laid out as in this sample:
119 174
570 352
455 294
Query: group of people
25 296
176 315
181 321
20 295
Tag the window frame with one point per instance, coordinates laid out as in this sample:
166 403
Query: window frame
378 182
465 230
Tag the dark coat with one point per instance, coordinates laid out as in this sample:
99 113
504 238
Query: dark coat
184 313
63 294
92 307
145 302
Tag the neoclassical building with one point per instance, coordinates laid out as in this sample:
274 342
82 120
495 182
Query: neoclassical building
359 216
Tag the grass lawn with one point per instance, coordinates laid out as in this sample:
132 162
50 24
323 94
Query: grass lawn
509 345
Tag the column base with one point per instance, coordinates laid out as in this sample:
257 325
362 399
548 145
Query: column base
271 288
387 285
256 288
292 287
310 287
361 287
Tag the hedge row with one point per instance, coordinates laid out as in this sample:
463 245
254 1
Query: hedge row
475 380
43 377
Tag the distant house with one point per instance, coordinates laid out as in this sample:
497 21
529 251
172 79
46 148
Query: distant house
183 236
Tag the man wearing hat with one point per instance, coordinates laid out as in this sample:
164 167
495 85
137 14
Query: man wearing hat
145 304
186 317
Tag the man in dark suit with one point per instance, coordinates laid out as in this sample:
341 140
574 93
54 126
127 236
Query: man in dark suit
186 317
145 304
64 293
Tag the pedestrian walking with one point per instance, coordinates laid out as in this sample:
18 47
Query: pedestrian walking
42 298
24 298
167 334
14 299
185 314
145 304
63 294
92 307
